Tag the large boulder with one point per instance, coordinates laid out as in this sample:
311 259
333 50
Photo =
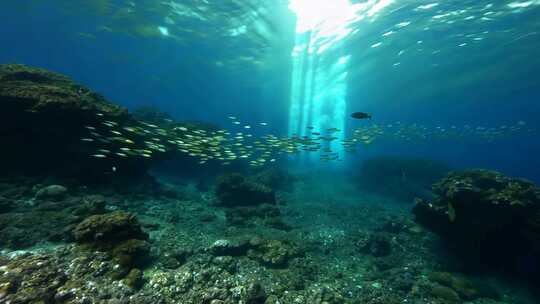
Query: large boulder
54 192
248 202
487 218
235 190
109 228
120 234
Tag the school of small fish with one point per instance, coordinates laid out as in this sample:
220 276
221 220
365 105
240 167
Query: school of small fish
110 139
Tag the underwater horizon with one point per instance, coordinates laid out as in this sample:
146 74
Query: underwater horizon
270 151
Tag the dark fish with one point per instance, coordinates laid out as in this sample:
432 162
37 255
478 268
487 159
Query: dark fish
361 115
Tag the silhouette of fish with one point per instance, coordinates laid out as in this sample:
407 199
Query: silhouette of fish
361 115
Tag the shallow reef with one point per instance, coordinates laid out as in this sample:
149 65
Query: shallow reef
142 248
82 234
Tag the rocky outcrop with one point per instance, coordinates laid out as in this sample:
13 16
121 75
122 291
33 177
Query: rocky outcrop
487 218
235 190
43 118
54 192
249 202
50 125
109 228
37 91
120 234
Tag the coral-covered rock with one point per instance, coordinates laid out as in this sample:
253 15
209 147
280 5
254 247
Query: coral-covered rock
48 91
43 118
272 253
30 279
51 124
120 235
249 202
487 217
236 190
109 228
132 252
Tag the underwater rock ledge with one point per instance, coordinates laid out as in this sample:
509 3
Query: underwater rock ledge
489 219
51 125
42 120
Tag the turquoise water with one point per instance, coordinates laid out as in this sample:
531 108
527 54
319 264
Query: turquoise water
266 89
428 63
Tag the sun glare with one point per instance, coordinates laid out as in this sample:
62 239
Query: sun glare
320 13
318 95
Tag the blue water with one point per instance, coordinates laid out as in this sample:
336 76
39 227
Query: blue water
449 85
115 48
